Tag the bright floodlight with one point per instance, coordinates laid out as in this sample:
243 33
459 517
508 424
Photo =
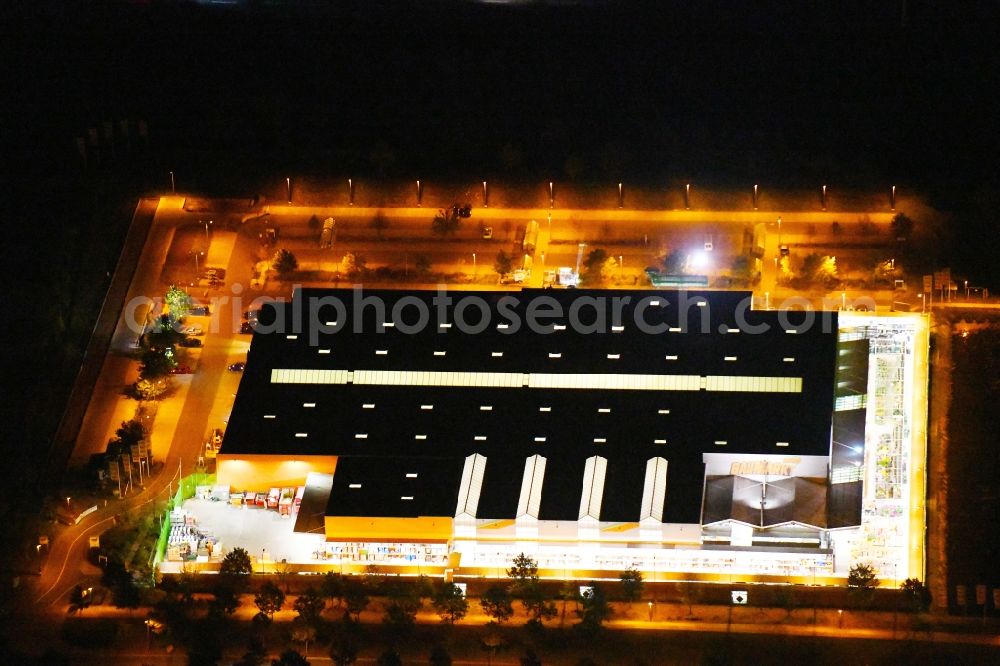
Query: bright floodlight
699 259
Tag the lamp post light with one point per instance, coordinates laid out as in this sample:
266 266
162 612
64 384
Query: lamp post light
419 194
840 618
843 300
621 265
966 290
350 192
923 303
173 183
779 233
755 197
486 196
892 198
649 605
288 186
687 196
206 230
475 268
767 300
824 198
621 196
552 196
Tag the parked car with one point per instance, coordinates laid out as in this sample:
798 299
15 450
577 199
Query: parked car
237 367
487 233
181 369
199 311
192 330
190 342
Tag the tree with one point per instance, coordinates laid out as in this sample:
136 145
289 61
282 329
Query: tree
631 584
78 599
303 632
523 570
389 658
901 227
236 564
674 262
446 221
594 608
149 389
690 595
529 658
344 646
504 263
332 587
450 603
379 223
130 432
439 656
353 264
861 583
355 597
496 603
785 599
598 267
178 302
916 594
525 588
421 264
124 592
284 262
269 599
401 610
309 605
290 658
156 364
224 601
255 654
820 269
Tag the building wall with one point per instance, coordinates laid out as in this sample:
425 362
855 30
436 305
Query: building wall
261 472
423 529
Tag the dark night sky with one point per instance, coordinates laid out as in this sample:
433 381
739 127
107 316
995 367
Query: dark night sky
726 91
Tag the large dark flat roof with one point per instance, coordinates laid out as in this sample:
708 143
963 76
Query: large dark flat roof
375 427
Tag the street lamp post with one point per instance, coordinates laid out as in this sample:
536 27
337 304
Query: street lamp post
767 300
173 183
486 196
755 197
966 290
552 196
288 185
824 198
350 192
779 232
922 302
621 196
419 194
892 198
687 196
621 265
206 230
475 269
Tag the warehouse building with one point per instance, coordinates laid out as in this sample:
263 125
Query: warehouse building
670 431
